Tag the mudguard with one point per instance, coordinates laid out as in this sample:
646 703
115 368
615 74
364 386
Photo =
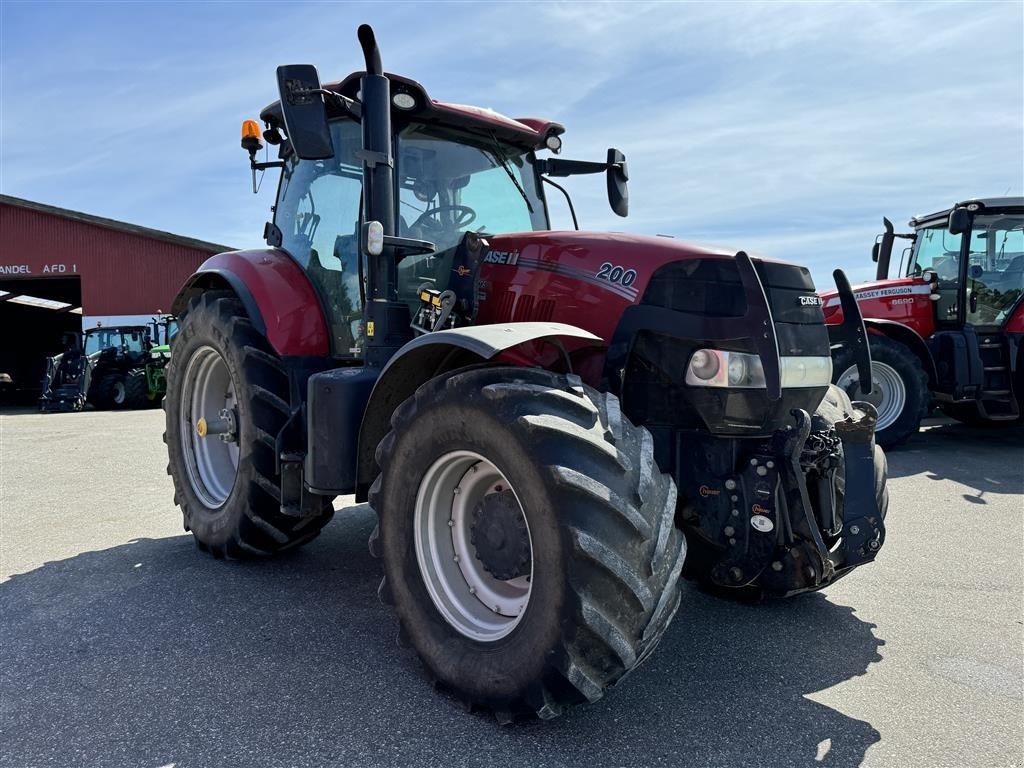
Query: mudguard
430 355
909 338
276 293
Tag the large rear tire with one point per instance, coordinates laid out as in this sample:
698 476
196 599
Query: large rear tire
562 519
900 390
229 490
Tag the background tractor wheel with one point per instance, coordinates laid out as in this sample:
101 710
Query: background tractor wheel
528 539
136 389
900 388
227 486
111 392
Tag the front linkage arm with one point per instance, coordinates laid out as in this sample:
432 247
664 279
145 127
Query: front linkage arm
851 331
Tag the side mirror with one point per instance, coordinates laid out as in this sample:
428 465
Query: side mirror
305 117
874 251
618 175
959 220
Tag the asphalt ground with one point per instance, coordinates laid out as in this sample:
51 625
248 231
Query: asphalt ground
122 645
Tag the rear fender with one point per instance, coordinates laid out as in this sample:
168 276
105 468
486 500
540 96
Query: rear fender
277 294
431 355
909 338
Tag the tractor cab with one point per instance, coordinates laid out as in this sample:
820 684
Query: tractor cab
949 313
453 173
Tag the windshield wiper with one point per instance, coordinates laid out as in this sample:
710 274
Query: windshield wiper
499 155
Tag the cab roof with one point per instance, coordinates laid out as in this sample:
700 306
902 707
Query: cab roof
527 132
985 203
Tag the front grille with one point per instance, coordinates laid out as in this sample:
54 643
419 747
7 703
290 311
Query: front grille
712 288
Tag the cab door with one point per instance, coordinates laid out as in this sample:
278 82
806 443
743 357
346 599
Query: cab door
994 274
993 278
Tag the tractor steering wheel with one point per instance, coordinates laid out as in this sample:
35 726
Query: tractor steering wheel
430 218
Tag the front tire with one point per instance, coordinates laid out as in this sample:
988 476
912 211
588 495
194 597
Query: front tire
900 390
228 489
581 546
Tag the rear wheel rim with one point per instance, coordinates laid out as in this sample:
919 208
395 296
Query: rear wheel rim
119 392
211 463
471 600
888 391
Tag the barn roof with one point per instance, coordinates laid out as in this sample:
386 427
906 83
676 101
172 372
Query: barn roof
112 224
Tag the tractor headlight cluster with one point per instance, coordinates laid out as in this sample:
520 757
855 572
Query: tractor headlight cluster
741 370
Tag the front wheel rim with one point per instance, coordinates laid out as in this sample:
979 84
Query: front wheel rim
888 391
471 600
211 462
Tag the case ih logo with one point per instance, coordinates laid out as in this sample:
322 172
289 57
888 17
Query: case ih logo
705 491
809 301
502 257
760 510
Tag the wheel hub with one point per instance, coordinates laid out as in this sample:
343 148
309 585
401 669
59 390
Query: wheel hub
499 536
211 465
473 546
888 395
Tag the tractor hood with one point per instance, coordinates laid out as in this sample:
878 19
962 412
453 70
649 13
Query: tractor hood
565 276
896 289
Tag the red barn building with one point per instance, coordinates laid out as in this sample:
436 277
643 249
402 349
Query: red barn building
62 271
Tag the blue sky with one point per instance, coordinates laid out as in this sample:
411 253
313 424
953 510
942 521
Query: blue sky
783 129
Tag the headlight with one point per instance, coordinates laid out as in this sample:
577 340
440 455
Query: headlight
740 370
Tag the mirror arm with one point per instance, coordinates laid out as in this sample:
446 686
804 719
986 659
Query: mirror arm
560 188
557 167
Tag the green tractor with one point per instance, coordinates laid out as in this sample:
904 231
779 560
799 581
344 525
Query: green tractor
163 328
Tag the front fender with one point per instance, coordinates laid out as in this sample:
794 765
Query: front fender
430 355
276 293
909 338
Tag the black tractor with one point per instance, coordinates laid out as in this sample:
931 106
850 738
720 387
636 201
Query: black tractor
108 371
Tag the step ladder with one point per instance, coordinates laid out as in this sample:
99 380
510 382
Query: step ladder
996 400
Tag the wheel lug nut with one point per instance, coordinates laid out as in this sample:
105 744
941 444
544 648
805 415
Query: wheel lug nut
729 530
451 523
730 484
472 590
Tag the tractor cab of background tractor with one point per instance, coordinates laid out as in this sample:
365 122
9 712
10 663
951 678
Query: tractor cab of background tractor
947 320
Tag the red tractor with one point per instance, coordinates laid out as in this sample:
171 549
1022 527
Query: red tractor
544 422
947 329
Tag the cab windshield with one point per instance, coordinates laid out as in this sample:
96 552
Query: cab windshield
125 341
449 183
994 270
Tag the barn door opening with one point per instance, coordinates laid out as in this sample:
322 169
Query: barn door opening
35 316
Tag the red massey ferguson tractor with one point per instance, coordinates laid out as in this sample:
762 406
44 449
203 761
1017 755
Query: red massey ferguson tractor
544 422
947 329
